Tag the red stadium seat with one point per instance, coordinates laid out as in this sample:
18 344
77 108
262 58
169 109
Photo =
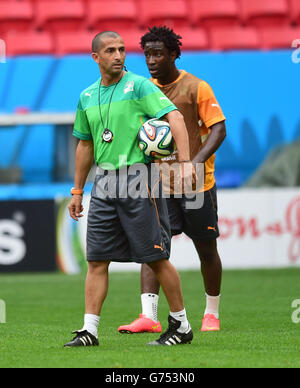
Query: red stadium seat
15 15
214 13
295 11
60 15
132 39
73 42
31 42
172 13
111 15
193 39
81 42
274 38
234 38
265 13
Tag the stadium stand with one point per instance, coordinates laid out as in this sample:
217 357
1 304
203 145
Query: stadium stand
73 42
234 38
295 11
111 15
191 18
62 15
265 13
80 42
173 13
15 15
214 13
194 39
132 39
28 43
274 38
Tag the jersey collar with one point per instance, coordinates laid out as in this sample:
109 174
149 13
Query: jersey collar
181 75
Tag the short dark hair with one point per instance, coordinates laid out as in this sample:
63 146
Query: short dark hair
165 35
96 44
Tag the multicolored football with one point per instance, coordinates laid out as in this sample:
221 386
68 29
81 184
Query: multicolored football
155 139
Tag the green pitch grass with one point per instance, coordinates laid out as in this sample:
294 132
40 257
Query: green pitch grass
257 329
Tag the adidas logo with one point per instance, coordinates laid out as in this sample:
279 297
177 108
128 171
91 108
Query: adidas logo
86 340
174 340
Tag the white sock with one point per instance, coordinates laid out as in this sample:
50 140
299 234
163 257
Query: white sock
181 316
150 306
91 323
212 305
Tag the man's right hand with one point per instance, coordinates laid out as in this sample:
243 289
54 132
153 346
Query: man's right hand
188 174
75 207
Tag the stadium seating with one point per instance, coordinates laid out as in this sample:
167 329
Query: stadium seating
265 13
24 43
62 15
173 13
234 38
111 15
295 11
214 13
81 42
15 15
274 38
73 42
193 19
193 39
132 39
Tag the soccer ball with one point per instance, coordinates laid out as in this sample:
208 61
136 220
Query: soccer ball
155 139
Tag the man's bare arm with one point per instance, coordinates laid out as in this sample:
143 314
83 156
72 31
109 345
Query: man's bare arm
83 163
214 141
180 134
181 138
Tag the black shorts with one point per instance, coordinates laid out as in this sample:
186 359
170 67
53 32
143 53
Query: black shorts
198 224
127 229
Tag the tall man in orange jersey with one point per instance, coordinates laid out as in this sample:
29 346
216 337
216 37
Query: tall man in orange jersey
206 126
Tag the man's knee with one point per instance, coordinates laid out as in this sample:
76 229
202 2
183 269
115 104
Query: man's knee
207 249
98 267
158 265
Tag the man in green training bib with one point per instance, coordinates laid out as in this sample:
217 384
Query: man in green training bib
124 228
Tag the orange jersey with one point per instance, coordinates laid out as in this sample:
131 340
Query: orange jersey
195 99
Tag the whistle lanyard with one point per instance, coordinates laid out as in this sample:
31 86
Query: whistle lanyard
106 129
